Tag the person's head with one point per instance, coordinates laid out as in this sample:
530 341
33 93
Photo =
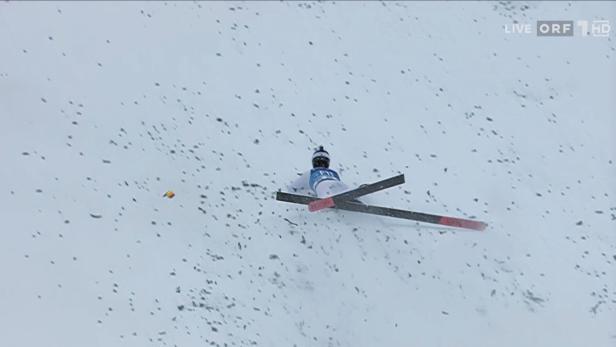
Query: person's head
320 158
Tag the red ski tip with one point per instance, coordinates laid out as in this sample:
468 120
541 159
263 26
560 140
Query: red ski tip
463 223
320 204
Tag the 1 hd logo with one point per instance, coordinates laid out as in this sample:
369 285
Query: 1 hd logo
597 28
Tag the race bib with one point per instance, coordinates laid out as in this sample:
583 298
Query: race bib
320 175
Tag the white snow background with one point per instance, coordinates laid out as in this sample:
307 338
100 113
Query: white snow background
105 106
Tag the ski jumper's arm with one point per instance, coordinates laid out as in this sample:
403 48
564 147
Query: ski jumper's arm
301 185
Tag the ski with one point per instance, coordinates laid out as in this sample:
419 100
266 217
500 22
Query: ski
411 215
295 198
388 212
319 204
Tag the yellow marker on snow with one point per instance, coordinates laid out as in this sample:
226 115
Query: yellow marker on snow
169 194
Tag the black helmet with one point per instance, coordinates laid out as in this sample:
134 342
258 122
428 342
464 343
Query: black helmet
320 158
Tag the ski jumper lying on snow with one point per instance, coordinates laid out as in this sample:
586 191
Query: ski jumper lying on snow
320 181
330 192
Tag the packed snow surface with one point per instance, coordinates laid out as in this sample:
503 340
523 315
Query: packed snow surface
106 106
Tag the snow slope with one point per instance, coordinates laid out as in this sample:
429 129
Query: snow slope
105 106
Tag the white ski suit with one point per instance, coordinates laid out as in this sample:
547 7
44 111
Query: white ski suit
322 182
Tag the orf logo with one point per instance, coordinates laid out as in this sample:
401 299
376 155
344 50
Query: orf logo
554 28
